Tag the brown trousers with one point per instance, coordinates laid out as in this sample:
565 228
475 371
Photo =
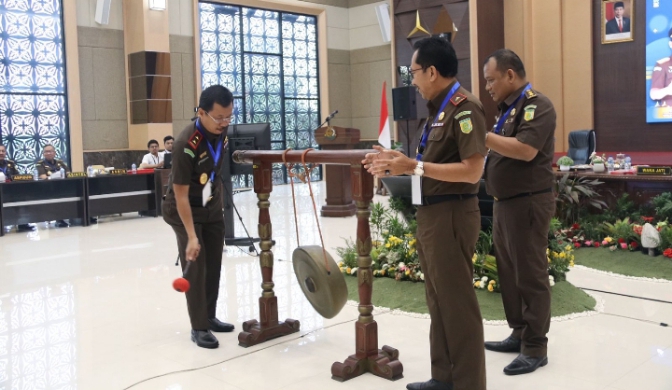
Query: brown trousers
447 234
204 273
520 235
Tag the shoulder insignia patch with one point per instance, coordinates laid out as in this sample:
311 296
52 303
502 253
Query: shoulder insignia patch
530 94
189 152
195 139
529 112
458 99
466 126
463 113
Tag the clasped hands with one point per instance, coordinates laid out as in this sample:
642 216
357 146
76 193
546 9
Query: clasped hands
387 162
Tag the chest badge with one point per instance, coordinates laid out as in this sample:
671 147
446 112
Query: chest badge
204 178
513 112
442 115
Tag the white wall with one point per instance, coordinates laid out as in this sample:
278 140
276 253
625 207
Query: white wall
86 13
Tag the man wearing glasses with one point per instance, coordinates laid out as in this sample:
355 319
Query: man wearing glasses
193 208
446 173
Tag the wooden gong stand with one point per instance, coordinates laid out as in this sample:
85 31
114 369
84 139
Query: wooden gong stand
367 358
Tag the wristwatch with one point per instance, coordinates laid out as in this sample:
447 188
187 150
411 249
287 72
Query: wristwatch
419 170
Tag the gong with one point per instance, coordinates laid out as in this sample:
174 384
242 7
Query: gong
326 291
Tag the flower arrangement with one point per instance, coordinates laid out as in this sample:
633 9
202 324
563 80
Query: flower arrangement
565 161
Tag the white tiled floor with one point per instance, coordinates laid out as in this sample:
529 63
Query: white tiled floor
93 308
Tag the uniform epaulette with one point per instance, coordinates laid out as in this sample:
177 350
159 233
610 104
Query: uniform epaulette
530 94
195 139
39 162
458 99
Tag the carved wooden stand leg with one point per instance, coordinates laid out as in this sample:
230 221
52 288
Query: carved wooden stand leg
256 332
367 358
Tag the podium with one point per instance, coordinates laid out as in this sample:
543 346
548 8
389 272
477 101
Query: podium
339 190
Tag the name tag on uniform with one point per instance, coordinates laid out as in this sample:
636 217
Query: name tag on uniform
438 124
416 190
207 192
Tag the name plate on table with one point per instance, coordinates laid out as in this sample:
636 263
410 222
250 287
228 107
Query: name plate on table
119 172
654 171
22 177
76 174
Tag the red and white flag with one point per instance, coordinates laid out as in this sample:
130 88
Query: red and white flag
384 129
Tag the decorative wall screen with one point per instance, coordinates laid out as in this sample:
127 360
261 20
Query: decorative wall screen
33 104
268 60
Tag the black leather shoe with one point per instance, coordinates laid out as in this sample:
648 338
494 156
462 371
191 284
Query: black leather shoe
431 384
219 326
525 364
62 224
204 339
509 344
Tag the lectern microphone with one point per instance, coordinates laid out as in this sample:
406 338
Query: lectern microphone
331 116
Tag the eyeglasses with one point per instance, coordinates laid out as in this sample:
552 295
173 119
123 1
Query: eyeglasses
412 71
220 121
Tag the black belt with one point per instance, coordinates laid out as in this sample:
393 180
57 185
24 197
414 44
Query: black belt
544 191
434 199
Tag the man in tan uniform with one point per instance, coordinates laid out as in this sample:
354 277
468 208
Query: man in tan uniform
449 162
519 175
661 79
193 208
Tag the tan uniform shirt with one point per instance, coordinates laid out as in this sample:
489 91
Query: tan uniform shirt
45 167
532 122
661 78
458 135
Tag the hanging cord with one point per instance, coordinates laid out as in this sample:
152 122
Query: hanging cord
291 182
312 197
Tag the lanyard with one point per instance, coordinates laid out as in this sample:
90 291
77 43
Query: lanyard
500 122
426 130
155 159
215 156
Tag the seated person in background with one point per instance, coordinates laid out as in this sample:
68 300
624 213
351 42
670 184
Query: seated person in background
8 168
48 166
167 145
153 159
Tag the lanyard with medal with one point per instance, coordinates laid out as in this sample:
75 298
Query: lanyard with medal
207 183
505 116
416 186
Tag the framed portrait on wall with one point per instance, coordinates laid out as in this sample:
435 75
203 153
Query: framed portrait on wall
618 17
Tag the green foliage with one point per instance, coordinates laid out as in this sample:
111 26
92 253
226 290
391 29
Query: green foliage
575 194
663 206
348 254
665 238
620 229
565 160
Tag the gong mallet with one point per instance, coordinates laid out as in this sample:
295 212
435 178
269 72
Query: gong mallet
182 284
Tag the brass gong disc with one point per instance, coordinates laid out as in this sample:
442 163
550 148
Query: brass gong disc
326 292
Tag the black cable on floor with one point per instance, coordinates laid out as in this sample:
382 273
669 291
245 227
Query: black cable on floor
626 295
663 324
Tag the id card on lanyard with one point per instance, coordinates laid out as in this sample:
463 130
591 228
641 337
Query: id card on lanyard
416 181
216 155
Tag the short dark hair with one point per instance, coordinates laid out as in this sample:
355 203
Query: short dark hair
437 52
669 34
619 4
151 142
215 94
506 59
168 138
48 145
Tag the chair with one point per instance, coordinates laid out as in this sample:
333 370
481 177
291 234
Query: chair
581 146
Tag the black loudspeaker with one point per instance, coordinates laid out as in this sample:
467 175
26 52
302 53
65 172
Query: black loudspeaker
403 103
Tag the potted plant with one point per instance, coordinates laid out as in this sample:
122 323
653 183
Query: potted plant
564 163
597 163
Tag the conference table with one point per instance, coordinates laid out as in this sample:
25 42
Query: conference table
80 198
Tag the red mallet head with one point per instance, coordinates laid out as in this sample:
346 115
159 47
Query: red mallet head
181 285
